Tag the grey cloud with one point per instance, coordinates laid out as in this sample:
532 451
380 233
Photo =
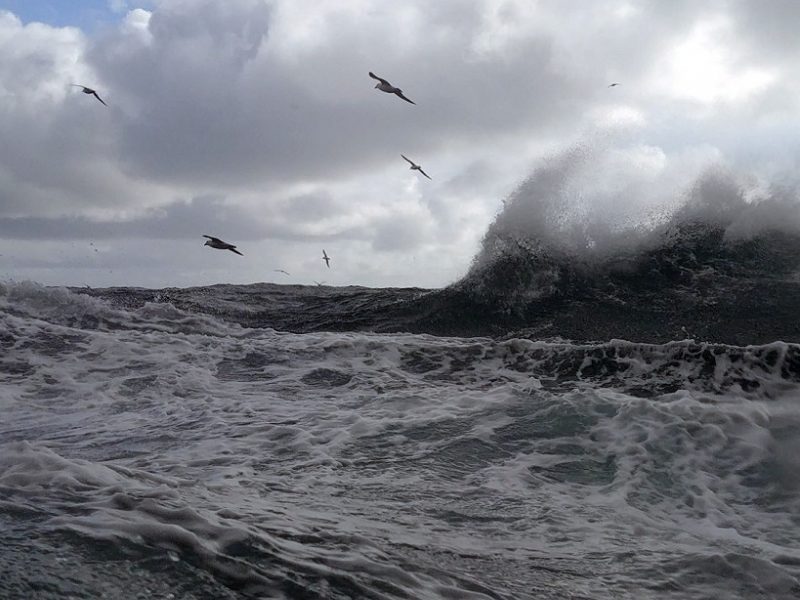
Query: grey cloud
210 98
770 26
203 215
312 207
209 214
214 102
398 232
238 98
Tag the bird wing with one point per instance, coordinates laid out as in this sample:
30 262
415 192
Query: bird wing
99 98
233 249
213 239
424 173
381 79
78 85
411 162
400 93
324 254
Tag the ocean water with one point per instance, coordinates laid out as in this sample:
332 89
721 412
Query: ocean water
592 419
158 453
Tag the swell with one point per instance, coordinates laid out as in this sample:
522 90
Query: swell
696 284
641 369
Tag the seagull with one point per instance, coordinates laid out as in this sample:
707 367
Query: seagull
326 258
416 167
613 84
220 245
87 90
387 87
282 271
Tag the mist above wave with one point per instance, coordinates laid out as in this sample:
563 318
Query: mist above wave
588 209
592 247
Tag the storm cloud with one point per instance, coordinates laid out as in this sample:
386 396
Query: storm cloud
256 121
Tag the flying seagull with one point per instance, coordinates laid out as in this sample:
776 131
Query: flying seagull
220 245
282 271
87 90
326 258
613 84
416 167
387 87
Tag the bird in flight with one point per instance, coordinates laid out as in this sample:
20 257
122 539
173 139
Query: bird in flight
88 90
282 271
326 258
613 84
220 245
416 167
387 87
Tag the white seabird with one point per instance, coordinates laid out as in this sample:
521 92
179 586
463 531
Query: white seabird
415 167
88 90
387 87
326 258
220 245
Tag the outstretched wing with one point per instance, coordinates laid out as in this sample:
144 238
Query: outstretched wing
400 93
409 161
233 249
98 97
424 173
213 239
381 79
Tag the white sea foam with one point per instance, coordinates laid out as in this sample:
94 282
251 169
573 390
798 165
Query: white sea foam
397 464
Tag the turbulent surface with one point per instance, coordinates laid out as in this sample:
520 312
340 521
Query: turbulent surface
166 445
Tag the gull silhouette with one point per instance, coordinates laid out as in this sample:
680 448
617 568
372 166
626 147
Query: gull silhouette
387 87
326 258
282 271
220 245
416 167
613 84
88 90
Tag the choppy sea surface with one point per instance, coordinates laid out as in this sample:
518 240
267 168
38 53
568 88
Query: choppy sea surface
609 424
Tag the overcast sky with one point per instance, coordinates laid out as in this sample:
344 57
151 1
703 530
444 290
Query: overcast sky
255 121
